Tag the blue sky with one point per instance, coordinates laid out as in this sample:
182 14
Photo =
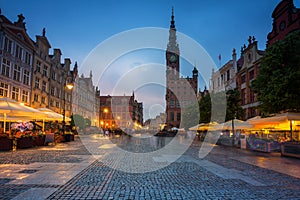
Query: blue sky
78 27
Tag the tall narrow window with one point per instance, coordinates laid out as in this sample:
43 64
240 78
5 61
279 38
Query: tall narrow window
44 86
15 93
53 75
38 66
43 100
19 52
27 58
172 104
5 71
26 77
36 98
243 94
25 95
17 73
52 91
228 75
3 89
171 116
37 83
7 45
178 117
45 71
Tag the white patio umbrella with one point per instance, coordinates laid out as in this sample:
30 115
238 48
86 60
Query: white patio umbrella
52 116
12 108
238 124
204 126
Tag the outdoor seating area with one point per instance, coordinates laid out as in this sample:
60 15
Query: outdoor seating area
278 133
25 127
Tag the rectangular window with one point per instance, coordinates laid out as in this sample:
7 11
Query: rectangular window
25 95
7 45
37 83
172 104
43 100
27 58
17 73
51 102
57 93
44 86
15 93
178 117
26 77
53 75
38 66
3 89
228 75
19 52
243 78
45 71
36 98
52 91
5 67
57 104
243 94
251 75
171 116
178 104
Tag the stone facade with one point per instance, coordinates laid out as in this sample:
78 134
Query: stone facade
286 19
86 99
29 74
224 79
16 58
247 70
120 112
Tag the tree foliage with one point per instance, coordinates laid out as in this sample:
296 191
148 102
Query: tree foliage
78 121
190 116
278 81
233 107
205 109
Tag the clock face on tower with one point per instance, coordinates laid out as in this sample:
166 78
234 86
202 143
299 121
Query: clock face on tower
172 58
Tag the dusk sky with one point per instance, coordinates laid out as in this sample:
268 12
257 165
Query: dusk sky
77 27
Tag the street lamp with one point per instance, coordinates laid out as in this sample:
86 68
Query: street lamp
67 86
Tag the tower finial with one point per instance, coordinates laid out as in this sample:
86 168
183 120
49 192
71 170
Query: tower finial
172 19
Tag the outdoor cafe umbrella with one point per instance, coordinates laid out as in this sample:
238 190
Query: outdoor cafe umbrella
238 124
283 120
12 108
52 116
204 126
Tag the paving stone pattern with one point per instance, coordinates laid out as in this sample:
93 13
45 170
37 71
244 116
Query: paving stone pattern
187 178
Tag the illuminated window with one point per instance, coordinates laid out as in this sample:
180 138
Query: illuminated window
25 96
3 89
15 93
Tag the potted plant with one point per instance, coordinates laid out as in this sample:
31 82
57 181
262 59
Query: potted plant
26 140
39 139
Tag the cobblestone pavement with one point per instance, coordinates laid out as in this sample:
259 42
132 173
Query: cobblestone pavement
69 171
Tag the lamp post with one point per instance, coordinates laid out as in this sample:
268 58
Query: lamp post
67 86
233 131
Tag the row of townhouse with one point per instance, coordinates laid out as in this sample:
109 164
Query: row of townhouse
238 73
28 73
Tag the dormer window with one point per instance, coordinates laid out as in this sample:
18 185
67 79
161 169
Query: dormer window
20 36
249 57
282 25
